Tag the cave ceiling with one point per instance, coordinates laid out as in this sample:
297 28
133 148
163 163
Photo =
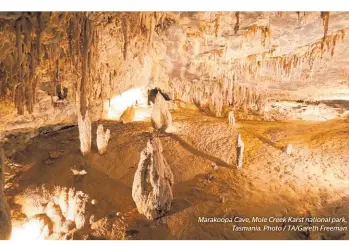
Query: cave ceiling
101 53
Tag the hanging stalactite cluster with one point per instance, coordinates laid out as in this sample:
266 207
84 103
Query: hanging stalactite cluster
254 30
290 65
40 49
150 22
22 55
216 95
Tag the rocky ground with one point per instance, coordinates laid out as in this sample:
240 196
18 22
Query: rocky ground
311 181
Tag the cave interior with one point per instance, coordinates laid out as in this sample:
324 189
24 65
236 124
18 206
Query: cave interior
133 125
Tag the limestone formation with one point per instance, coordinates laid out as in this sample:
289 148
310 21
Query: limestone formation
161 117
239 151
231 118
128 115
5 212
153 181
84 124
102 139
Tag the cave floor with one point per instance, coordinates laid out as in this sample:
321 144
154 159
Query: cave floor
312 181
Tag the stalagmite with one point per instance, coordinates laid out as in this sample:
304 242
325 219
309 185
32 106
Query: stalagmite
5 212
231 118
161 117
84 133
102 139
153 181
289 149
128 115
239 151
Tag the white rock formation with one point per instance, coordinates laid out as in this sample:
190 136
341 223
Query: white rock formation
65 208
78 172
161 117
153 181
289 149
102 139
231 118
239 151
84 133
5 212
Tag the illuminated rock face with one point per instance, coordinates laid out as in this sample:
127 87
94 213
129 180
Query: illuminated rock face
60 210
239 151
161 117
5 212
153 181
102 139
84 133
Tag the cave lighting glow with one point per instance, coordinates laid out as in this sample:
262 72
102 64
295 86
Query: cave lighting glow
30 230
117 105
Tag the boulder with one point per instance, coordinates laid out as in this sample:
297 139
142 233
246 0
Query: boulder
153 181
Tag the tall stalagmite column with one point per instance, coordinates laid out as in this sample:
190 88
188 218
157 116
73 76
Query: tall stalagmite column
85 132
239 151
231 118
84 121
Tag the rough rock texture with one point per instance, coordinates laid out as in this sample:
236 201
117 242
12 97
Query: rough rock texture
240 146
102 139
85 133
5 212
161 117
128 115
153 180
231 118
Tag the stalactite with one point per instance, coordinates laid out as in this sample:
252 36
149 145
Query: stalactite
237 24
218 25
325 18
87 35
125 34
298 15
